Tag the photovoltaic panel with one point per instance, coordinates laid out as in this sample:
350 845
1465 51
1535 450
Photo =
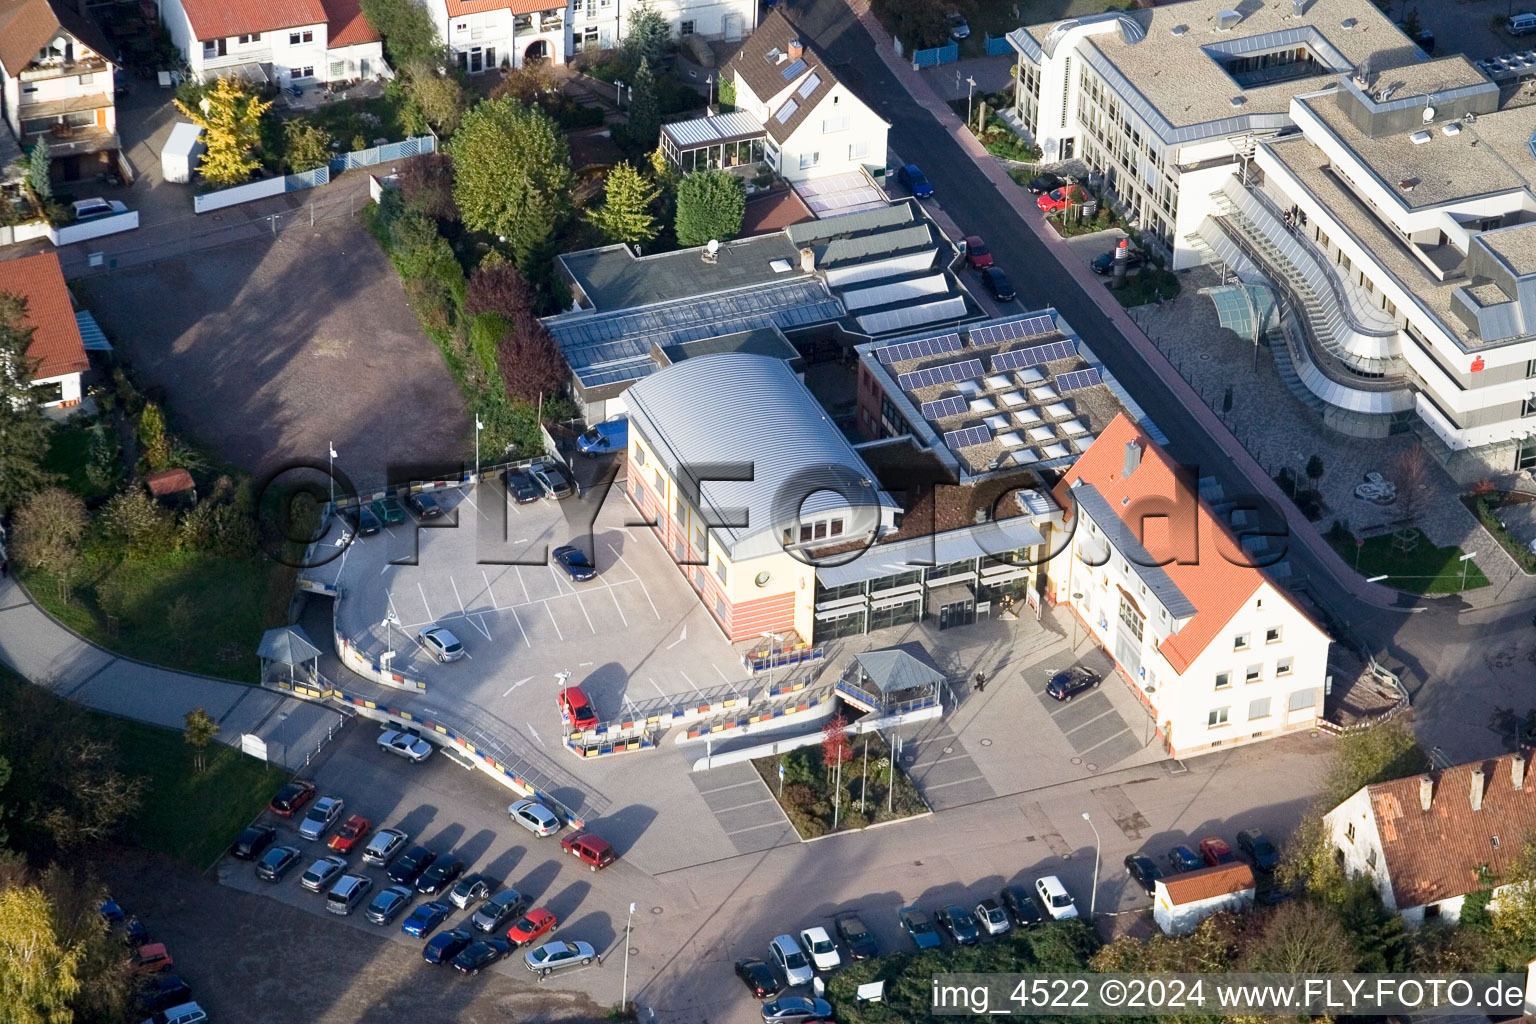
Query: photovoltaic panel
952 406
918 349
946 373
967 437
793 70
1024 327
1018 358
1077 380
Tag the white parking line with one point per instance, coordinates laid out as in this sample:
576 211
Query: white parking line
518 619
584 613
424 603
657 688
465 495
489 591
691 683
556 577
941 785
779 823
478 621
718 672
519 572
619 607
552 619
456 597
637 577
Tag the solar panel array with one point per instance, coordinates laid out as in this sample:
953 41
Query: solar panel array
946 373
809 85
787 111
793 70
918 349
1077 380
967 437
1024 327
1017 359
951 406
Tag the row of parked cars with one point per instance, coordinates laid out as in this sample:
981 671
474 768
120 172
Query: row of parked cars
163 995
1212 850
541 479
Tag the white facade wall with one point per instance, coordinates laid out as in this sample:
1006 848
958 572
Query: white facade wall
841 134
1186 917
97 85
297 54
604 23
71 385
10 96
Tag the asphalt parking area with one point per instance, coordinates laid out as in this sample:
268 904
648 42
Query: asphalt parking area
746 811
1094 727
936 760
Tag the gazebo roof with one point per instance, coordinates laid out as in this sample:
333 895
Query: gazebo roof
287 646
894 669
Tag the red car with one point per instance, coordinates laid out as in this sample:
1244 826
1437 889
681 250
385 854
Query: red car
352 831
151 959
1216 851
977 255
590 849
575 709
536 923
1058 199
292 797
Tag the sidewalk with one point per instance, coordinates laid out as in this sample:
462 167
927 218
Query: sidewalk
52 656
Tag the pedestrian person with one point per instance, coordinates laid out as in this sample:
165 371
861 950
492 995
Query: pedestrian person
981 683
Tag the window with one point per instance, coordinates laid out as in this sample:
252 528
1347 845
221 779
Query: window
1530 369
681 511
836 528
1258 709
1130 616
1528 407
834 124
685 29
805 533
254 37
720 609
1370 858
821 531
858 151
720 568
1253 673
309 36
1283 667
1349 833
1272 635
1240 642
661 483
87 79
293 39
699 540
1218 716
1223 680
639 455
1303 699
306 72
809 160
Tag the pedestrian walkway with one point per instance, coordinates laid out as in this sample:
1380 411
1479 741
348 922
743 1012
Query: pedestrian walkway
50 655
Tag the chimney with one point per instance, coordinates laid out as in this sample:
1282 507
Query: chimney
808 259
1132 458
1477 789
795 49
1517 771
1426 792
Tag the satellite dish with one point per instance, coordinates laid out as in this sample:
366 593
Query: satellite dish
714 246
1429 114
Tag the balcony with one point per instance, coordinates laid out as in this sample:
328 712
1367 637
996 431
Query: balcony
50 109
67 140
60 68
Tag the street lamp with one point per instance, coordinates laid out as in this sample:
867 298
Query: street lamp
624 999
1376 579
478 427
1093 898
1465 559
331 447
618 93
970 96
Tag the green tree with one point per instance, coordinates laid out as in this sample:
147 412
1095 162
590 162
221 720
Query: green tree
644 128
309 145
647 39
153 437
710 205
725 90
407 28
50 528
512 172
625 215
1512 931
39 176
37 974
23 430
530 362
102 460
74 895
230 117
201 729
439 97
145 529
1315 470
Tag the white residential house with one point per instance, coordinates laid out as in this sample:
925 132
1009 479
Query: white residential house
484 35
1216 651
602 23
56 85
57 349
289 42
1181 902
1427 841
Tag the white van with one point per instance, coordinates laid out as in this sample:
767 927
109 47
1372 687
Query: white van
1520 24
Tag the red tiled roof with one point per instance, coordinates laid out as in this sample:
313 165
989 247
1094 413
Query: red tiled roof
459 8
56 342
1208 883
345 24
1163 509
774 212
169 481
1440 853
217 19
26 26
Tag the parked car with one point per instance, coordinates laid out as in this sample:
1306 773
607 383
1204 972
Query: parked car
480 954
575 709
442 644
363 520
1143 870
919 927
319 874
1181 858
534 817
1214 850
861 944
531 927
421 921
410 866
1021 904
552 479
1068 684
388 904
348 892
403 744
786 955
992 918
184 1013
444 946
1104 263
151 958
555 956
276 863
1425 38
575 563
321 817
960 925
1058 199
818 945
96 208
522 489
977 255
1053 896
958 27
495 911
1258 848
385 845
912 176
389 511
471 889
998 284
164 991
252 841
442 873
610 436
352 832
796 1010
589 848
425 506
1044 183
291 797
758 977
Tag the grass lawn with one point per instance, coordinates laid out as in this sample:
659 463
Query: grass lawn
69 450
1424 570
808 789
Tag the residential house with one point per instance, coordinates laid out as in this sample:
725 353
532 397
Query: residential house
1216 651
1428 841
603 23
289 42
484 35
1180 902
56 84
57 350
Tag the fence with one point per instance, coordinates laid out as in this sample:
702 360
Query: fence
251 191
413 146
997 45
934 56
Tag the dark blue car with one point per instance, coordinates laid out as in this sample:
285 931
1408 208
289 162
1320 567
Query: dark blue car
1181 858
575 562
912 176
444 946
424 919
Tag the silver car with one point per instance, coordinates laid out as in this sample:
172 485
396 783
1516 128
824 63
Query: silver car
385 845
495 911
535 817
320 817
412 748
552 479
553 956
322 871
442 644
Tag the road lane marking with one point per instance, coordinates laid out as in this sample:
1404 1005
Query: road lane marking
489 591
425 603
517 619
515 685
535 734
620 607
584 613
680 639
554 620
657 688
691 683
526 598
456 597
631 568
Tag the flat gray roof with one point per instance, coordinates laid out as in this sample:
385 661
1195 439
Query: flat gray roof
613 277
762 341
1124 540
1516 246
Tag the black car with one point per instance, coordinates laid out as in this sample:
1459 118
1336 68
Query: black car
444 946
1044 183
1258 848
291 797
480 954
575 562
522 489
425 506
440 875
364 521
1021 904
861 944
1104 263
998 284
960 924
1068 684
276 863
758 977
162 993
252 841
1144 871
409 867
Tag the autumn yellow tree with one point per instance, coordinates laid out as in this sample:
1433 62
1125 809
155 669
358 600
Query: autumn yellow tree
37 974
231 121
